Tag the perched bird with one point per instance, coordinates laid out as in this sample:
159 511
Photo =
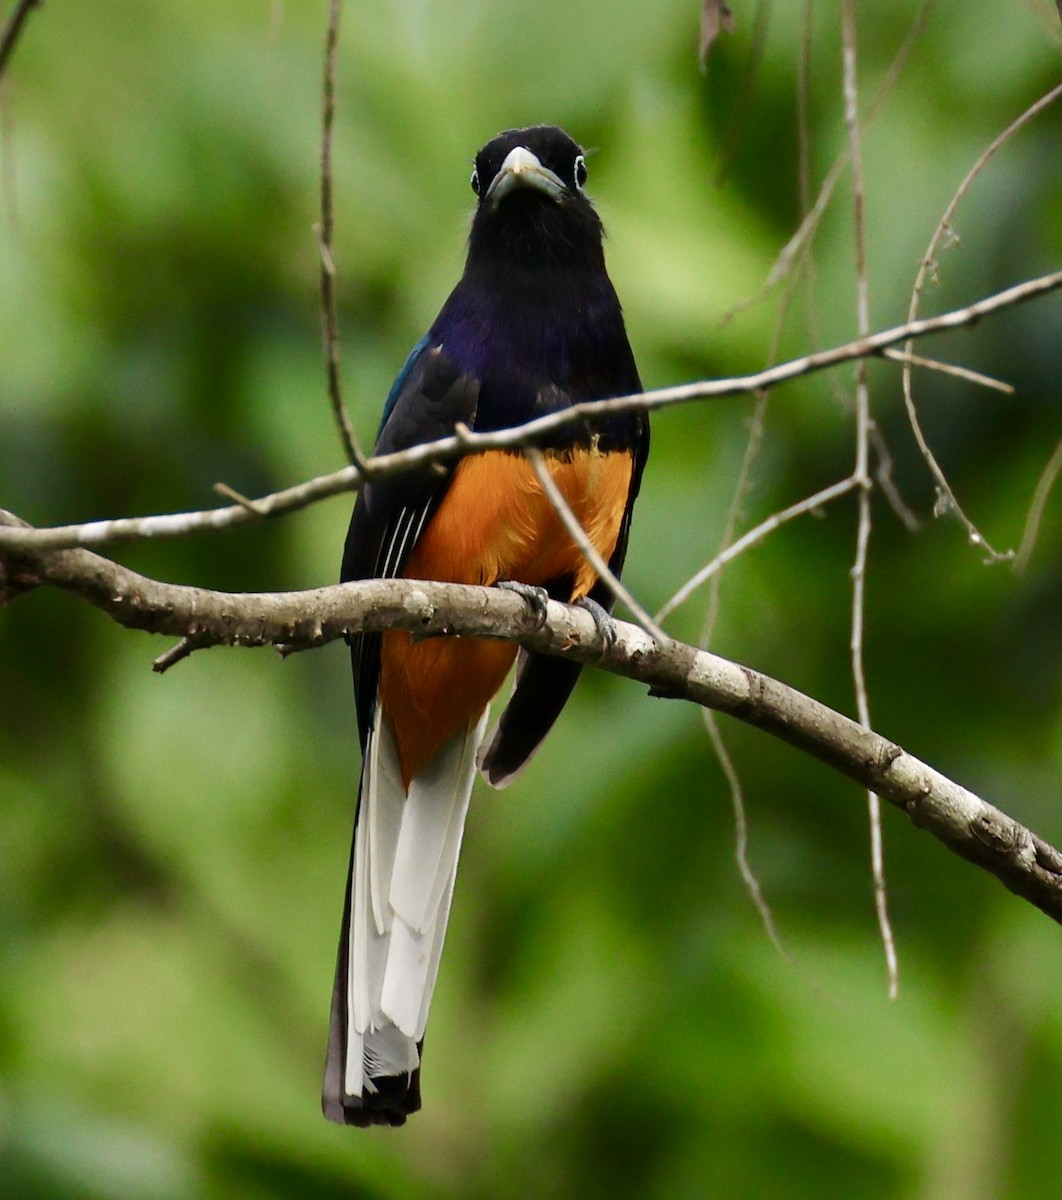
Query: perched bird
533 326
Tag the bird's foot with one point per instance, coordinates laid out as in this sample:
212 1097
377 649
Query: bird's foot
606 626
536 598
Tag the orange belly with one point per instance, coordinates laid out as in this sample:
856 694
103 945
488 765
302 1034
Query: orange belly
494 524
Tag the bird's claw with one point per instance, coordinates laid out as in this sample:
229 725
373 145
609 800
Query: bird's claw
536 598
603 622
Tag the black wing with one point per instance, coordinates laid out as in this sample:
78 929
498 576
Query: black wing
429 397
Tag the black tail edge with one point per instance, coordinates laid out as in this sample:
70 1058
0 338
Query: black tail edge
395 1098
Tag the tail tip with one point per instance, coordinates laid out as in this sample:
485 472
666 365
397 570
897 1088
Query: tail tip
395 1098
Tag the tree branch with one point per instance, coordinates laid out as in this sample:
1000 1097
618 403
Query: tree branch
10 34
967 825
448 449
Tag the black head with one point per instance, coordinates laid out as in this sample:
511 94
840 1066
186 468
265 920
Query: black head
532 208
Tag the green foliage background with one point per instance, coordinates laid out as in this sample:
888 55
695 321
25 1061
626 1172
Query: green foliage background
611 1019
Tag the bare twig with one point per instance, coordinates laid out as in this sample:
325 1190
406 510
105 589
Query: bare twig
752 537
229 493
757 429
741 834
805 232
743 484
883 478
578 535
942 232
861 474
324 231
129 529
742 487
933 364
12 30
753 448
746 88
1036 510
175 654
966 824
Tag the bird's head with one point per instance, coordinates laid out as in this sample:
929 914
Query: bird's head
532 207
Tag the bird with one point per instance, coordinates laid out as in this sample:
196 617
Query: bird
532 327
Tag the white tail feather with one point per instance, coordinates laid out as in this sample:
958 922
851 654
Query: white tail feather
386 798
436 950
432 823
405 861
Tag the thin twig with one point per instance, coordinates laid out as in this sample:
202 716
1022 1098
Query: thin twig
752 537
1036 509
578 535
229 493
743 484
745 90
861 475
741 835
805 232
883 478
753 446
728 548
448 449
324 231
175 654
944 230
883 470
12 30
933 364
742 487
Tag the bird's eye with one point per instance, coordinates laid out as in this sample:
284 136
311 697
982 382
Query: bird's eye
580 172
474 181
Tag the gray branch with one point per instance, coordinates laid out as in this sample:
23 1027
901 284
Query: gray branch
967 825
128 529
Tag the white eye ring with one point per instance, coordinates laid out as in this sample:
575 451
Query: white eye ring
474 181
580 172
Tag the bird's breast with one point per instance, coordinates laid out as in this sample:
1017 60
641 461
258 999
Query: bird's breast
495 523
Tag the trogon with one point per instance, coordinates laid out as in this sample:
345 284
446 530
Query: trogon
533 326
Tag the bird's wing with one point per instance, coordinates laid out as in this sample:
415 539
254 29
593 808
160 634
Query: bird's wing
543 683
430 395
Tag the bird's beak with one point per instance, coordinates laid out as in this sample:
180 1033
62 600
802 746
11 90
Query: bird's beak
522 169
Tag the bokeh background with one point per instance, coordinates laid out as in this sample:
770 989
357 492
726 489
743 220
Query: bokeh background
611 1019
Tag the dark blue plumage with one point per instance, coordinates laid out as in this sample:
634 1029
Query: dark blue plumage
533 326
536 345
